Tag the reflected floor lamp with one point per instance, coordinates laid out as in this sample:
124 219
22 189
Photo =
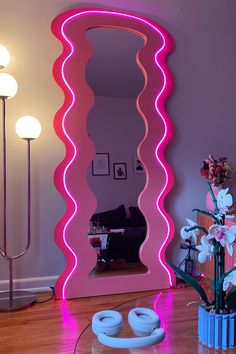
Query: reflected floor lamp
27 128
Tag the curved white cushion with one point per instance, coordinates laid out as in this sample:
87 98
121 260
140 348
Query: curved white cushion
143 321
108 321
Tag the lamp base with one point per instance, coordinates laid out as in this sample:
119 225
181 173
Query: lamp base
20 300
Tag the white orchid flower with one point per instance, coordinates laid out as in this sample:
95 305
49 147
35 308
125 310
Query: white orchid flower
231 278
185 234
206 250
224 201
223 234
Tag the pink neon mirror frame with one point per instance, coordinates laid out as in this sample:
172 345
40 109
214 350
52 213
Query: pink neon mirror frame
71 174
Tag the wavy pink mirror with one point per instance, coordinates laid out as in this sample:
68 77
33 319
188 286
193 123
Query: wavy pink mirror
71 174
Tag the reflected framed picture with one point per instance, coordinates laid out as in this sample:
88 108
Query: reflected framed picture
120 170
137 165
101 165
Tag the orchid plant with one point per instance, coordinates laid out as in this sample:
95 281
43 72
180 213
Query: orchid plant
213 244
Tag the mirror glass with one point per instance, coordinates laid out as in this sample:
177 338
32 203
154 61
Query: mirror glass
116 176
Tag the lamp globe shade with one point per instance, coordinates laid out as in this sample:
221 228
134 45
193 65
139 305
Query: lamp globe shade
28 127
4 57
8 85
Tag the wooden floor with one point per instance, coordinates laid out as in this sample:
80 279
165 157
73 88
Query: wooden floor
53 327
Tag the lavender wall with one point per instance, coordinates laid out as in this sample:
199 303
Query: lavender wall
201 107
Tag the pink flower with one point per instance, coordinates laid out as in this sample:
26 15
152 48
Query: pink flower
219 234
223 234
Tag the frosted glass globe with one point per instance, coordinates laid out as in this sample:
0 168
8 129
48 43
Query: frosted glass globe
4 57
8 85
28 127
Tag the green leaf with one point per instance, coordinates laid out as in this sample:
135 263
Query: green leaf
213 197
209 214
230 299
191 281
196 227
212 286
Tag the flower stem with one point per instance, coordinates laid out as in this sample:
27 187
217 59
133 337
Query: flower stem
216 261
218 293
222 270
196 227
213 198
207 213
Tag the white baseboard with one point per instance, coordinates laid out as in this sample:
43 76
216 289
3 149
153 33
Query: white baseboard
39 284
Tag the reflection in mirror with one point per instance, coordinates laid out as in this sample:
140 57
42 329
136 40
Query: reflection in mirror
116 176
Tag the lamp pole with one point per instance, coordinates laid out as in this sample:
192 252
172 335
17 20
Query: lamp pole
14 300
4 168
28 128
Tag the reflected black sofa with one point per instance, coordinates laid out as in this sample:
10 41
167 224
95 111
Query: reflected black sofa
123 245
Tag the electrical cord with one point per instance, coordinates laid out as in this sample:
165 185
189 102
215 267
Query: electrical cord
190 247
77 341
50 298
180 264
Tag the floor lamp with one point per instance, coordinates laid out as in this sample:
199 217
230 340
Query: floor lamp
27 128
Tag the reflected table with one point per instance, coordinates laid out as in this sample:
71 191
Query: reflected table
179 321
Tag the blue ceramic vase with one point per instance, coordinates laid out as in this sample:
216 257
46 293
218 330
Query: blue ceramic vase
216 330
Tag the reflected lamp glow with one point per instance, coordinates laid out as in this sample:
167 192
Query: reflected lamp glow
8 86
4 57
28 127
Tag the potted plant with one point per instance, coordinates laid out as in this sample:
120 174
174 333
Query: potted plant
216 316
